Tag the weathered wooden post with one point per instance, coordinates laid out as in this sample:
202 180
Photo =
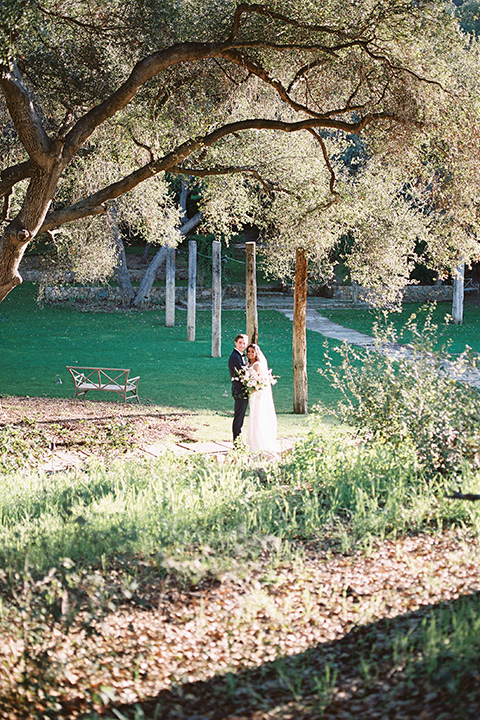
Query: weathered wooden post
299 344
458 292
251 292
216 298
192 289
170 288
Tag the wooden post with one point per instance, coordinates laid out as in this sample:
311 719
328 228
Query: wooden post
216 298
458 292
192 289
170 288
299 344
251 292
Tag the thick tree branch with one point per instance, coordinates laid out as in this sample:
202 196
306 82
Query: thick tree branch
25 118
94 203
142 72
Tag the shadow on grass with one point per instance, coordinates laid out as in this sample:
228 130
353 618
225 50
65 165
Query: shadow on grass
99 418
423 664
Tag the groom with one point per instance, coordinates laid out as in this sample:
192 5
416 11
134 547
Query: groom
235 362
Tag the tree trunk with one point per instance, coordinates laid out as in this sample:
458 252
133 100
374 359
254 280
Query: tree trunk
127 293
142 298
24 228
299 345
458 293
251 292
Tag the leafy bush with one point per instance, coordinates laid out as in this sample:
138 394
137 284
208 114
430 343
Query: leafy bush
25 444
21 446
411 394
37 613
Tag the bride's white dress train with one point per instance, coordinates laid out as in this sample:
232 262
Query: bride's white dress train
262 420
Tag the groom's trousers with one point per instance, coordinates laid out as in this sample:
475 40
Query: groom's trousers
241 404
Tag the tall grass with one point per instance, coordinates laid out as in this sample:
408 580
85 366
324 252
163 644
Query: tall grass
197 517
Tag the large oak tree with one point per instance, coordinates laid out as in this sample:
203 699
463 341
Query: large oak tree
195 88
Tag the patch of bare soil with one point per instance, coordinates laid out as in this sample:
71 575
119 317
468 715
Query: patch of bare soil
92 427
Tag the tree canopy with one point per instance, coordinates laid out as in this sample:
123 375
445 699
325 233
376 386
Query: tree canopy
261 100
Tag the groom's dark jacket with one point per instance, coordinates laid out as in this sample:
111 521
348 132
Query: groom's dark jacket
235 363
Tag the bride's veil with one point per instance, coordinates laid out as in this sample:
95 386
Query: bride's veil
261 359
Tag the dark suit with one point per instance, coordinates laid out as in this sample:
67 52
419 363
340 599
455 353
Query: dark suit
235 362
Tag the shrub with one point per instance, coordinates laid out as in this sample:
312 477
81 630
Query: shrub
21 446
409 393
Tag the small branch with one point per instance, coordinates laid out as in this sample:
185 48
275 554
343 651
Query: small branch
255 69
303 71
98 28
333 178
254 8
229 76
141 145
66 124
399 68
224 170
163 95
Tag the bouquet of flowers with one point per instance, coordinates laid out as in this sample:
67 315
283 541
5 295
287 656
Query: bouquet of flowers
253 381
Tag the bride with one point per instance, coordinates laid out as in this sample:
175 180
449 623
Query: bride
262 421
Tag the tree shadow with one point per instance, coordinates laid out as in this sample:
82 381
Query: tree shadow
423 664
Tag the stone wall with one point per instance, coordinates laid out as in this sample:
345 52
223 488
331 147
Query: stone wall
64 293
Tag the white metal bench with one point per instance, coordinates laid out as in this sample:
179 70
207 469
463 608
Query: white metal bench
115 380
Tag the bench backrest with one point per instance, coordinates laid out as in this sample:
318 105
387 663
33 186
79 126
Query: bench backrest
99 376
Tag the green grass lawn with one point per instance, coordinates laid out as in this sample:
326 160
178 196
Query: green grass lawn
37 344
460 335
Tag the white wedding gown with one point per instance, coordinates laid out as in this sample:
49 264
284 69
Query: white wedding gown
262 420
